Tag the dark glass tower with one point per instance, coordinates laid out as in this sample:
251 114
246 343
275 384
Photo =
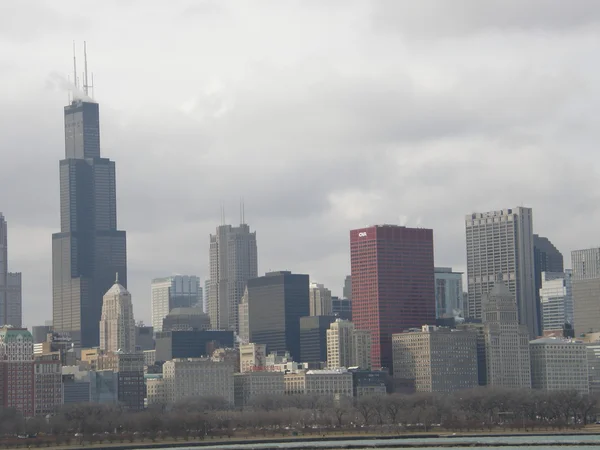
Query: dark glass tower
89 250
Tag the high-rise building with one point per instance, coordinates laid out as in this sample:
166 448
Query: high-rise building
179 291
506 340
448 293
271 310
233 261
16 370
40 333
348 347
559 365
341 308
556 300
586 290
502 242
546 258
186 319
436 359
88 250
347 292
144 337
313 338
190 344
48 383
10 284
393 285
117 325
320 300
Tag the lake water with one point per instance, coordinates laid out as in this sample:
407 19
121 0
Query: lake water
516 443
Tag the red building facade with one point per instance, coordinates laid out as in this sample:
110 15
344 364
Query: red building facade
393 285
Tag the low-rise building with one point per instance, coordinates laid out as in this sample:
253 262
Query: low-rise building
436 359
369 382
251 385
17 388
253 357
336 382
559 365
48 383
198 377
156 392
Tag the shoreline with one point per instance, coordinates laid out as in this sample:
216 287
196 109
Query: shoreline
331 441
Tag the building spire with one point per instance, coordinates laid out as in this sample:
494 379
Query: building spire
117 278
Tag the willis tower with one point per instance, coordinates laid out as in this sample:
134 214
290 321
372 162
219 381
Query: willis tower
89 250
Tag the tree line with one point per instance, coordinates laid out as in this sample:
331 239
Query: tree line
484 409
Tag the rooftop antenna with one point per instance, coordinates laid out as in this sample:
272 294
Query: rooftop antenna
222 214
243 212
86 86
74 66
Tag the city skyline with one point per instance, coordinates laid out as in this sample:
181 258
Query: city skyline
219 117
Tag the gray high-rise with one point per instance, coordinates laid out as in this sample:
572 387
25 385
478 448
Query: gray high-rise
546 258
233 261
89 249
10 284
586 290
502 242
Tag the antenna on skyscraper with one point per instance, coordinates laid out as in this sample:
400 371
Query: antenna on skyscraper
74 65
86 86
222 214
242 221
243 211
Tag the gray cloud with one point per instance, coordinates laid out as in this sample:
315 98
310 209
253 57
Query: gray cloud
322 123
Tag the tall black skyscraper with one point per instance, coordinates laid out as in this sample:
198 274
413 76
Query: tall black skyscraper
546 258
89 250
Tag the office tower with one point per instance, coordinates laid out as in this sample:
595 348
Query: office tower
502 242
198 377
40 333
479 330
347 292
320 300
117 325
448 293
191 344
341 308
559 365
233 261
10 284
130 377
347 346
16 370
313 338
393 285
179 291
506 340
436 359
144 337
556 300
186 319
48 384
253 357
88 250
271 309
586 290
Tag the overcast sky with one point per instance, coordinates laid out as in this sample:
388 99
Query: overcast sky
323 115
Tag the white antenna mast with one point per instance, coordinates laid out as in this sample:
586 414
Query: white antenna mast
85 73
74 66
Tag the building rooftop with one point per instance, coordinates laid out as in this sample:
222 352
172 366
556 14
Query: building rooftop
555 341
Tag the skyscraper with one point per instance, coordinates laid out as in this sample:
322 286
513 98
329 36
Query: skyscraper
180 291
271 310
546 258
556 300
392 283
88 250
117 325
502 242
320 300
448 293
10 284
233 261
586 290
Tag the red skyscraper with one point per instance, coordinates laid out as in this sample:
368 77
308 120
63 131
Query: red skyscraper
392 283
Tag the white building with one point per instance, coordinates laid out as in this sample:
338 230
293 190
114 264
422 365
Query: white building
156 392
252 357
319 300
448 293
233 261
251 385
117 325
179 291
10 284
506 341
198 377
556 300
559 365
348 347
337 382
502 242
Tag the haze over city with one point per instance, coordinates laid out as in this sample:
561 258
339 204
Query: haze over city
323 116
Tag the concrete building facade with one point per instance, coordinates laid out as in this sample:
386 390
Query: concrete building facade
502 242
253 357
393 286
556 300
319 300
250 386
559 365
233 261
17 371
506 341
117 324
586 290
436 359
178 291
319 383
348 347
48 384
